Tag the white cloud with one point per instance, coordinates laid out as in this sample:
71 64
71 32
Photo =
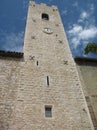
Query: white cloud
77 34
75 41
75 29
87 15
84 15
88 33
13 41
84 30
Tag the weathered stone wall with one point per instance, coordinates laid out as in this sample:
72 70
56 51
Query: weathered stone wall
88 75
44 55
9 82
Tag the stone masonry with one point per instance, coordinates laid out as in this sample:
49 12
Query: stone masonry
87 69
45 76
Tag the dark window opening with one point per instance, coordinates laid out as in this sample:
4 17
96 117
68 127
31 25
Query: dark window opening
37 63
48 111
45 16
48 80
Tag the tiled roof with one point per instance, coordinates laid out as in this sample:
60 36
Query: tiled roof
85 59
11 54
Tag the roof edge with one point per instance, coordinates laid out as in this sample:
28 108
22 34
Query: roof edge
85 59
11 54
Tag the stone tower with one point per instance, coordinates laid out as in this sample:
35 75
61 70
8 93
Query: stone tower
43 90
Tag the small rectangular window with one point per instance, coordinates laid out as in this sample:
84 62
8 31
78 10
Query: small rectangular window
48 111
45 16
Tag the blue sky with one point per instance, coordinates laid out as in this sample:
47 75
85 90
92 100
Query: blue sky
79 19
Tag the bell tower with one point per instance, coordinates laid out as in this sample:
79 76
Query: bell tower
50 95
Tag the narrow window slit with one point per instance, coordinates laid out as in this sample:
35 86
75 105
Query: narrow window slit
48 80
37 63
